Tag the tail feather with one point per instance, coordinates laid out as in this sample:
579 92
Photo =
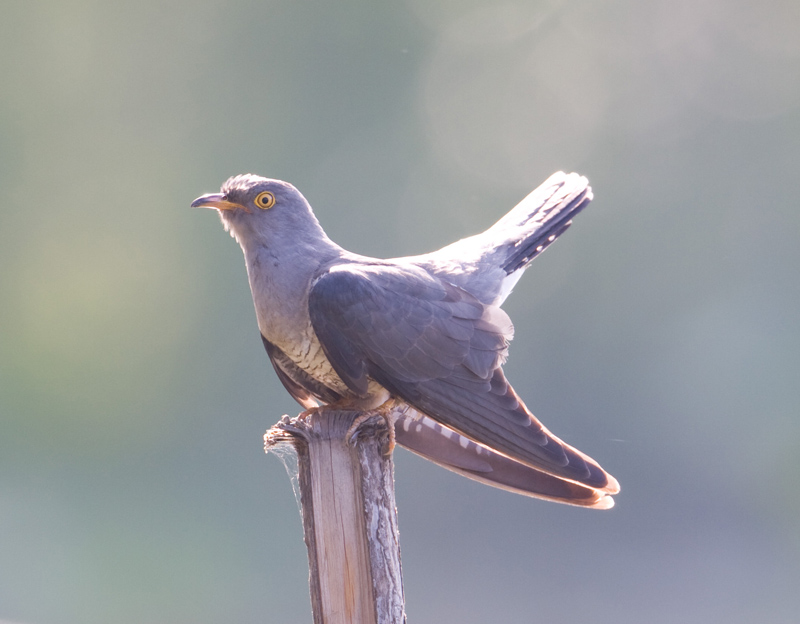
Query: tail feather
447 448
489 264
539 219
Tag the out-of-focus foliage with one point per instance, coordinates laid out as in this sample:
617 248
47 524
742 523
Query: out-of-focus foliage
661 335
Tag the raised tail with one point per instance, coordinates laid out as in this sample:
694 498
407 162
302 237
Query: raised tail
539 219
489 264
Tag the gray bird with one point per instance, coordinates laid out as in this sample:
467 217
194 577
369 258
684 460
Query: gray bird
426 331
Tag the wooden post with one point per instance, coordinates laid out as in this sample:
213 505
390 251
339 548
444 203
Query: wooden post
349 514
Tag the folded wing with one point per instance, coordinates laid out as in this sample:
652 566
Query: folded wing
440 349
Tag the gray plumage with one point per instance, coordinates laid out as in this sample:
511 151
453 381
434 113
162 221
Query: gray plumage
426 330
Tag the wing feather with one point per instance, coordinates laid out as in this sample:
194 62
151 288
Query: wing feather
440 349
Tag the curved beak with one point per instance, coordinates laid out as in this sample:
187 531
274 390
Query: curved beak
214 200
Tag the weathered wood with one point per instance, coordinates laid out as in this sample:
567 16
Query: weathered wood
349 514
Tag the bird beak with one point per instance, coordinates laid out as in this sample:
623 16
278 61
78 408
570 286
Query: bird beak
214 200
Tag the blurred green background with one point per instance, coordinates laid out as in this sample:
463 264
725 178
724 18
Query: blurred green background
660 335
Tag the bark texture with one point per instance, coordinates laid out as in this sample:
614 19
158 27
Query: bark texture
346 480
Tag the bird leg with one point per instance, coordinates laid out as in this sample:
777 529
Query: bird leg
386 411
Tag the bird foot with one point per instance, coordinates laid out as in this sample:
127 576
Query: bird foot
306 414
391 440
390 412
343 404
384 411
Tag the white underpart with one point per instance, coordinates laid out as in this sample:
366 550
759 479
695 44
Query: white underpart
507 285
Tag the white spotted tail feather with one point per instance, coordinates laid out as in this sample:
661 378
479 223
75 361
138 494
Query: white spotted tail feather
435 442
491 263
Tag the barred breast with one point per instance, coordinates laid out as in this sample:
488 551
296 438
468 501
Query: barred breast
308 355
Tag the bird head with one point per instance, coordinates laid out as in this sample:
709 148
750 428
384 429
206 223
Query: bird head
257 210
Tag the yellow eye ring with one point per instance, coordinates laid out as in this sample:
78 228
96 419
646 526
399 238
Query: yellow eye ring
264 200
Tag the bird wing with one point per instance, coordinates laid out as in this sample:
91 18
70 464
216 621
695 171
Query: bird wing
433 441
440 349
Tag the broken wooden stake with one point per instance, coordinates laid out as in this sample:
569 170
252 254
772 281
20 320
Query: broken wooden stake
346 479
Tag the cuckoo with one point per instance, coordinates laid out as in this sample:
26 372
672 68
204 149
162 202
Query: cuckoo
426 332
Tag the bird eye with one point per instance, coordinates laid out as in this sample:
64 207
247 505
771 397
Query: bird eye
264 200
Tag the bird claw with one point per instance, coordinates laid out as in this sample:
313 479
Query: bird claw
384 411
387 412
359 420
391 441
306 414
